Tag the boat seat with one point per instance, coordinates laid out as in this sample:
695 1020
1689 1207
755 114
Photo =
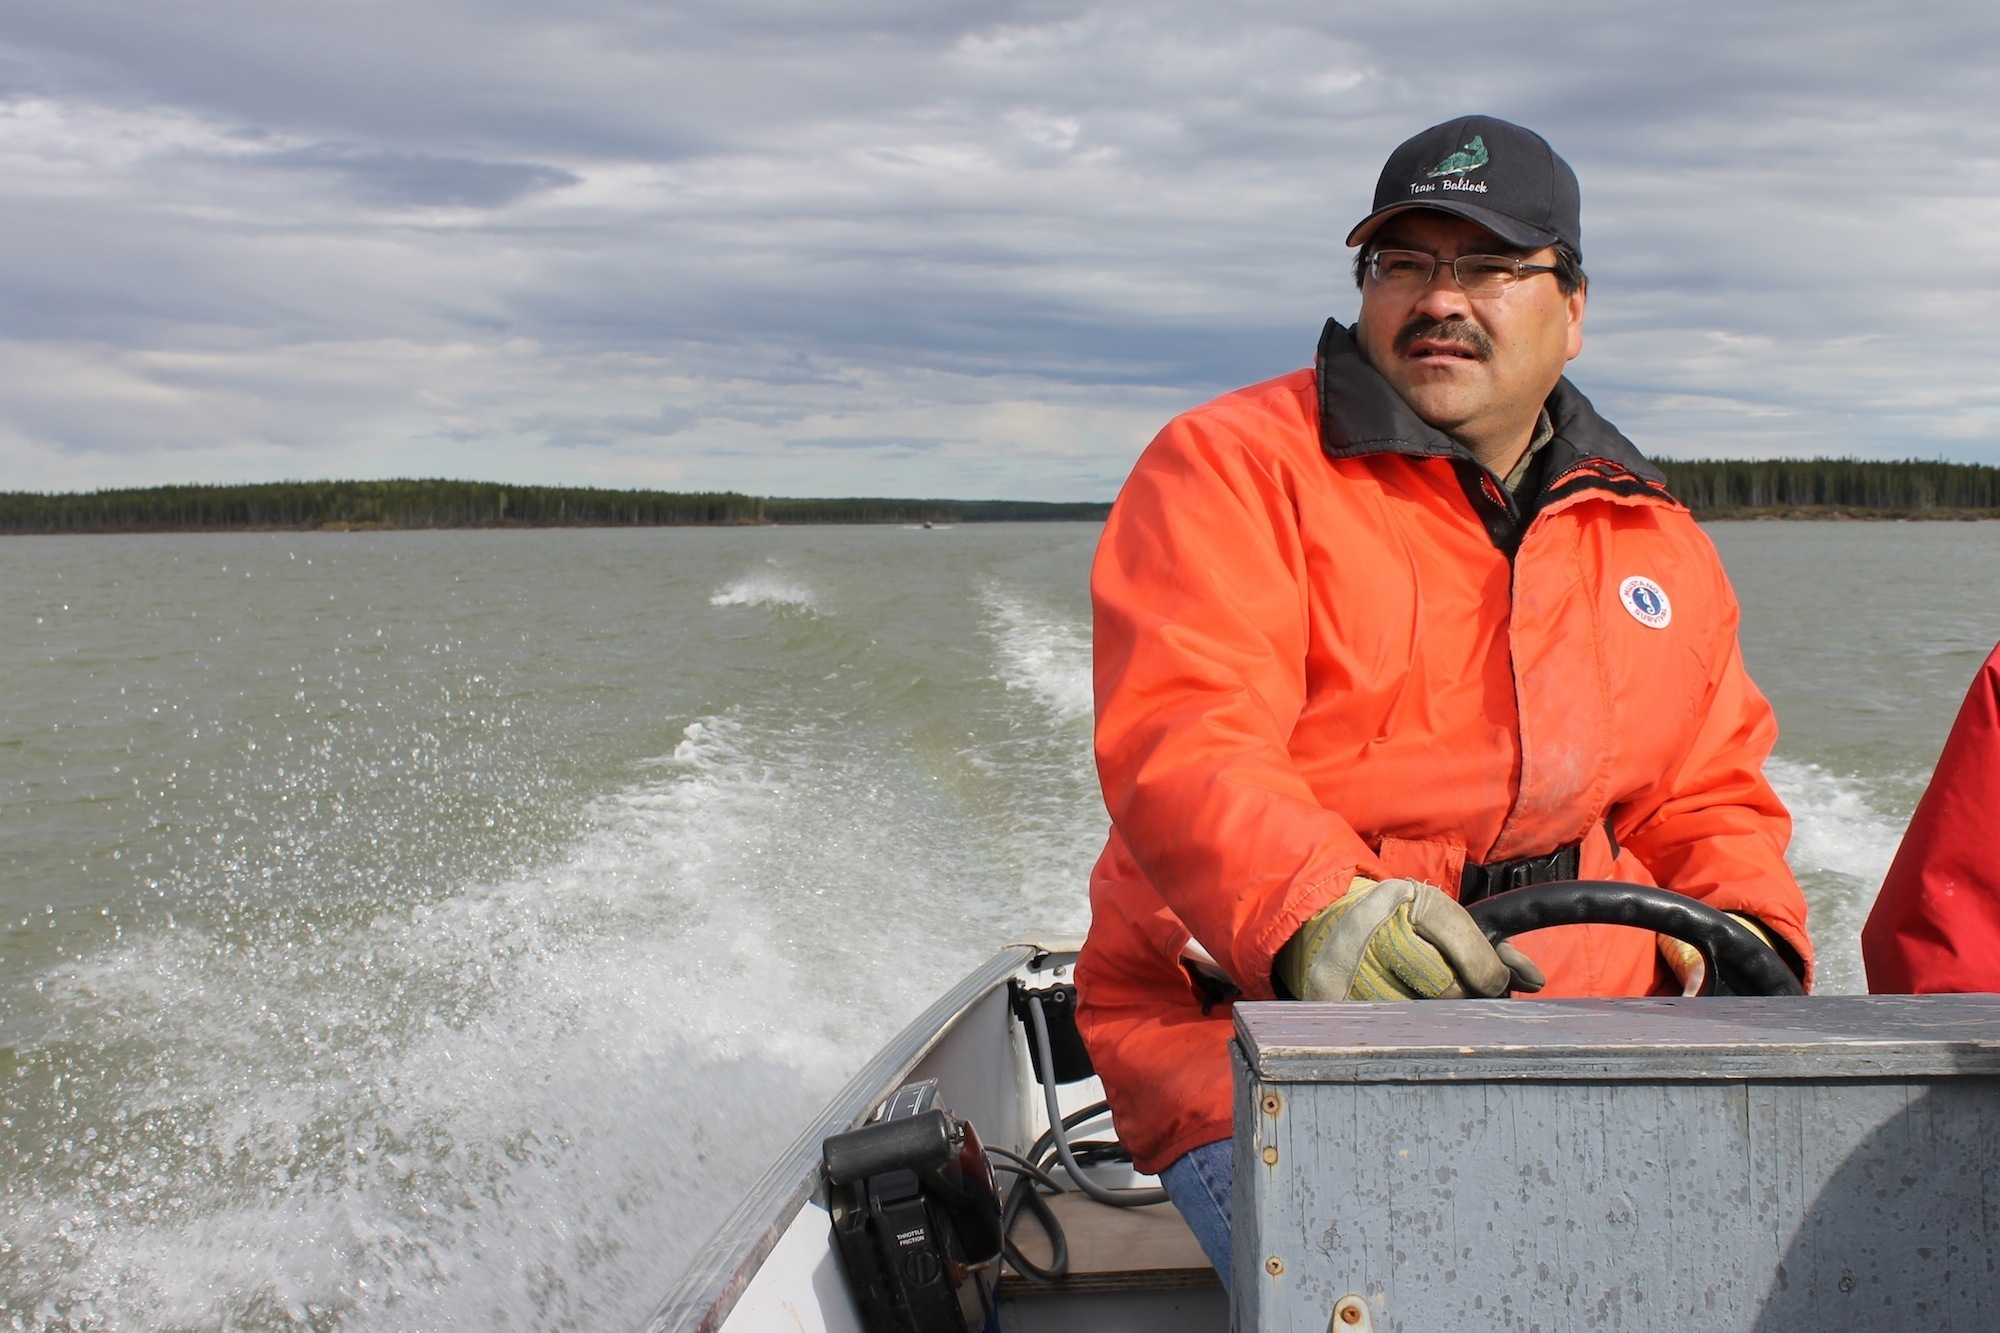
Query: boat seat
1114 1249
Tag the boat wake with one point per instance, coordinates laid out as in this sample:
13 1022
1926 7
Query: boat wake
408 1118
1041 654
1057 819
1841 849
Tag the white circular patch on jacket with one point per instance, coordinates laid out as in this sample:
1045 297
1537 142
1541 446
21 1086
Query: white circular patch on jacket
1647 601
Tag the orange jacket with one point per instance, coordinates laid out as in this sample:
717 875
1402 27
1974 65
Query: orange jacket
1318 653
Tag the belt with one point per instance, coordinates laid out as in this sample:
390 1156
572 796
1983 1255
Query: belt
1483 881
1563 863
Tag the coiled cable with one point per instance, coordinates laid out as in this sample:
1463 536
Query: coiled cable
1059 1130
1032 1176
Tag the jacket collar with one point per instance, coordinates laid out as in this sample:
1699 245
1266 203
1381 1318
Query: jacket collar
1360 414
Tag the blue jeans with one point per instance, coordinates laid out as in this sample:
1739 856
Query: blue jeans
1199 1184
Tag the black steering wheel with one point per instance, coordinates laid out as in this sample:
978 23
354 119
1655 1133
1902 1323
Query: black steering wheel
1738 962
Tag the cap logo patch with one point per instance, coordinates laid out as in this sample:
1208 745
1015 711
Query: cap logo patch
1469 158
1647 601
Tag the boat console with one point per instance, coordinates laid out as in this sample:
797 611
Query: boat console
1746 1164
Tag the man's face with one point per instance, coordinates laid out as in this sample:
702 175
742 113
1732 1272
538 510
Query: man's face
1478 370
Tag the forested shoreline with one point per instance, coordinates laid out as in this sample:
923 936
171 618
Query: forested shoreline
1713 488
418 504
1833 488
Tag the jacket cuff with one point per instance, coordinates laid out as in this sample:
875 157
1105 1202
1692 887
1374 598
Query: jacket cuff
1306 903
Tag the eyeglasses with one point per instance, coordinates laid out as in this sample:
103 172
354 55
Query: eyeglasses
1478 275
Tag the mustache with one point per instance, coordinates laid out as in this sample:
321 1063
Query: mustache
1458 332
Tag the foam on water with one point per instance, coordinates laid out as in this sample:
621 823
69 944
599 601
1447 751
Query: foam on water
512 1107
1056 816
1841 849
1041 653
770 588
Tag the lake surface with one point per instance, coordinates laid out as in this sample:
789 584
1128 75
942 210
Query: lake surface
443 929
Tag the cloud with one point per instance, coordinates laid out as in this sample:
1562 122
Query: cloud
990 246
879 444
422 180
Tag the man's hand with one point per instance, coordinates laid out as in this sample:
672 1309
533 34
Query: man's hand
1398 940
1691 969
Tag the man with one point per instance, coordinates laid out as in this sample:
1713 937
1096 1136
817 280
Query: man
1403 629
1935 927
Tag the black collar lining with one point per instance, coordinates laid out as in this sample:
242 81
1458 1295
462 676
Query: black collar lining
1360 414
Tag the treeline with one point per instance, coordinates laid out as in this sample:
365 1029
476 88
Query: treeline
1721 487
862 510
470 504
385 504
1713 488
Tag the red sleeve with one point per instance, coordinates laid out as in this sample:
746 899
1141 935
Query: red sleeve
1936 924
1200 648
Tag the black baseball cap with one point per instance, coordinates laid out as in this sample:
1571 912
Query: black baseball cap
1488 171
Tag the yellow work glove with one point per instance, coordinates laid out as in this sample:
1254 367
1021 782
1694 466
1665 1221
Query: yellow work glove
1687 964
1398 940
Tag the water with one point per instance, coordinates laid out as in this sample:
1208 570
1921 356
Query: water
442 929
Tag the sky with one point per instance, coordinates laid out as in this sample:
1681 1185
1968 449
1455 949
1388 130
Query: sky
851 247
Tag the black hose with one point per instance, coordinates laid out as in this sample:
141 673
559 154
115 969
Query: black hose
1031 1170
1021 1166
1046 1143
1023 1193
